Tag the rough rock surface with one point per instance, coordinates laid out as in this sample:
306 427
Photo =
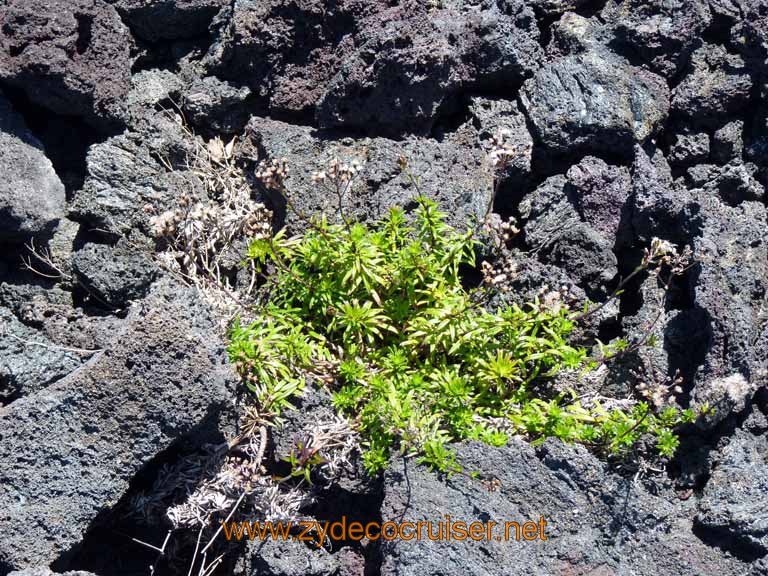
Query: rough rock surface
733 183
660 206
127 179
592 127
287 559
600 193
71 56
31 194
28 360
459 46
47 572
728 142
717 84
662 33
577 219
366 65
52 311
162 378
597 522
212 104
453 172
737 492
168 19
150 88
689 148
730 285
496 118
594 101
555 7
116 274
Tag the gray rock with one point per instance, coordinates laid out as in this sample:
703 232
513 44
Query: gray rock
70 56
594 101
168 19
733 183
423 57
287 558
700 174
52 311
730 284
576 220
596 521
28 360
91 432
461 45
660 207
31 194
728 142
531 277
547 212
60 248
600 193
681 341
661 32
717 84
254 44
128 181
727 395
586 255
736 495
727 13
549 8
151 87
453 172
737 182
689 148
115 275
20 288
749 33
574 34
215 105
759 567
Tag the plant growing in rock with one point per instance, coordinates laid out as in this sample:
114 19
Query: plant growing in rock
380 314
203 235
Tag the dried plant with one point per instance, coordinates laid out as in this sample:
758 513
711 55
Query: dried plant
327 449
203 236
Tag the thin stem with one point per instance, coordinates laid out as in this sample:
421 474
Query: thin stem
221 527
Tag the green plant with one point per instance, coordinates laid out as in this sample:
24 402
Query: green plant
416 359
303 460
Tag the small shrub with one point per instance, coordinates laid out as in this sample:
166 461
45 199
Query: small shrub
414 358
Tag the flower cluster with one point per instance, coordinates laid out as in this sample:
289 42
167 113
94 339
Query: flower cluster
273 173
555 300
337 172
503 151
501 275
199 232
662 393
501 231
662 252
